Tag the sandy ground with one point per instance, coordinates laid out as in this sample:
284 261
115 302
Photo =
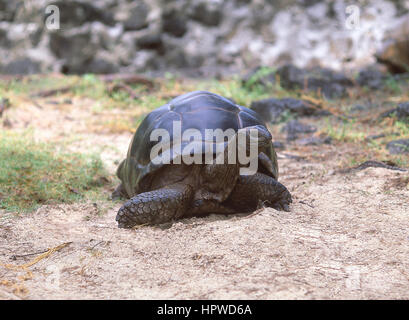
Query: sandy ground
346 237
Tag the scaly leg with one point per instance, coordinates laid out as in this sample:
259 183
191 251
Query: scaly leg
252 189
157 206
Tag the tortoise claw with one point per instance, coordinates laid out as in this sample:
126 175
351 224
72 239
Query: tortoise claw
283 203
124 218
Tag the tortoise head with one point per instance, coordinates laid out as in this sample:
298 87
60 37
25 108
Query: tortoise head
253 140
248 143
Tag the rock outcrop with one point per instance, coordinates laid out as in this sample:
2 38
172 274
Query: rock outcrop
202 37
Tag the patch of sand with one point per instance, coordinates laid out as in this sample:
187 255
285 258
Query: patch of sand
345 237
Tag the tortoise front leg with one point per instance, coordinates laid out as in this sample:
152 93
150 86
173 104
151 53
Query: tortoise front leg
252 189
156 206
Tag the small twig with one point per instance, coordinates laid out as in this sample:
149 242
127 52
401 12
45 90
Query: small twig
16 256
127 78
46 254
39 106
36 260
92 248
52 92
373 164
107 78
310 205
125 87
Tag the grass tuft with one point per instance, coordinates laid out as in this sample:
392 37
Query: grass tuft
32 174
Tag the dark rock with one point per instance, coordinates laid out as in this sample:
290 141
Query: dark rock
269 109
398 146
371 78
4 40
272 109
366 106
308 3
176 58
21 66
358 108
373 164
207 15
278 145
100 66
53 102
330 83
75 13
138 17
404 76
375 136
303 108
76 49
401 112
174 23
380 135
7 123
294 128
151 42
299 107
314 141
8 9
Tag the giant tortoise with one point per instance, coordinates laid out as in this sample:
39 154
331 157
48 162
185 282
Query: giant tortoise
160 191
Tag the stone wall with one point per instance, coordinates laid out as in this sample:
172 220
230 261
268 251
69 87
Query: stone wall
197 37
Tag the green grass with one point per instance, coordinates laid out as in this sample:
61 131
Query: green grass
393 85
259 74
242 94
91 87
402 128
32 174
35 83
401 161
346 131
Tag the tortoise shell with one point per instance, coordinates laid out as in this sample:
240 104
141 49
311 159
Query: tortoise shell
198 110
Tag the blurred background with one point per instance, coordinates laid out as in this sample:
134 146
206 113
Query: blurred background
200 38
